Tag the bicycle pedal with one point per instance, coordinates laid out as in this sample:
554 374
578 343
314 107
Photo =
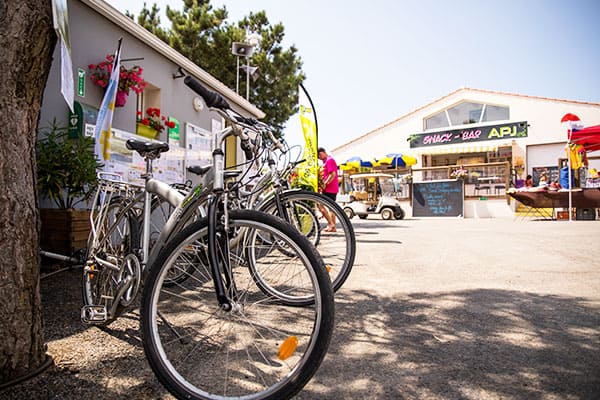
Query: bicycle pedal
94 314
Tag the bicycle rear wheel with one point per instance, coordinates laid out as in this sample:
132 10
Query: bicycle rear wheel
338 249
115 244
262 348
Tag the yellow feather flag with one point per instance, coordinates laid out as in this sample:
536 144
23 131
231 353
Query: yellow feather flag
308 171
105 114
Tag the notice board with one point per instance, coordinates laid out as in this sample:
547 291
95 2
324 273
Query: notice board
438 198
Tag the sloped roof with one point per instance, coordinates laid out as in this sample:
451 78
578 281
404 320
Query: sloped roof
462 89
128 25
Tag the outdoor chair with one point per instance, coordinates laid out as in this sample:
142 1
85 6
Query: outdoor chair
479 187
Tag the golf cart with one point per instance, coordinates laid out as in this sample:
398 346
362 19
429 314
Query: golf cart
373 193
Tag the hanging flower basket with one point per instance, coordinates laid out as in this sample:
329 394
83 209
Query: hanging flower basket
121 98
129 79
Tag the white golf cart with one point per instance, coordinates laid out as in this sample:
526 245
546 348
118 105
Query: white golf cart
372 193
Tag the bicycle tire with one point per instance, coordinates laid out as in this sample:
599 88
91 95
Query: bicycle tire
337 252
99 282
199 351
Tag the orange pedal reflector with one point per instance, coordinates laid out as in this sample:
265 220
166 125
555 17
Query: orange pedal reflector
328 267
287 348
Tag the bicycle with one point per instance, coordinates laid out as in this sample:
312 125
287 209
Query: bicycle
281 343
112 273
217 334
302 209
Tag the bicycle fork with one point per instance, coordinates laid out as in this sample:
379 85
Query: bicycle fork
218 254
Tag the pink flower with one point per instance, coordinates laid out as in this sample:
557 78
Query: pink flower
129 79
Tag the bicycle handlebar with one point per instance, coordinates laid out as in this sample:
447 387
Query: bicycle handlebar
212 99
215 100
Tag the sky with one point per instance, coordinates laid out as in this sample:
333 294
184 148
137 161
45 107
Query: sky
368 63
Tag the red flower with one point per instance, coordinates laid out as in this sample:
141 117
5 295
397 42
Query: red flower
154 120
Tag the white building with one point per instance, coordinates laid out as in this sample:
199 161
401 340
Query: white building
499 137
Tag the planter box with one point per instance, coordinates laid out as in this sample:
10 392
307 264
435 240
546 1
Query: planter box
64 231
145 131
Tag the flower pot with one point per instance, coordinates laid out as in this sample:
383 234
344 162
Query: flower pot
121 98
146 131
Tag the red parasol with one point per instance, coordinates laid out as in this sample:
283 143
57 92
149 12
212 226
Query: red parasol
569 118
588 137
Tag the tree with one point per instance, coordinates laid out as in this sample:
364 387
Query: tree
27 41
203 35
150 20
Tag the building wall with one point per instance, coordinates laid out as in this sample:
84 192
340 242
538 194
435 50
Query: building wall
93 37
543 116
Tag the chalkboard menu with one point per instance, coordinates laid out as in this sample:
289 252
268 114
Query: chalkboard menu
438 198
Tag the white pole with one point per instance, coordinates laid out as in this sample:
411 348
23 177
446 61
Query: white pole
569 172
248 78
237 76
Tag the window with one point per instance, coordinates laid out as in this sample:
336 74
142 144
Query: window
495 113
466 113
150 97
439 120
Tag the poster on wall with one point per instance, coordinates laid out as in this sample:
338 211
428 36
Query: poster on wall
216 125
60 18
170 166
197 144
131 166
173 133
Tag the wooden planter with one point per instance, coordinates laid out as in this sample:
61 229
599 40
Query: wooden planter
64 231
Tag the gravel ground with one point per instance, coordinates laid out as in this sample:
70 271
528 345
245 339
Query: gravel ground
434 309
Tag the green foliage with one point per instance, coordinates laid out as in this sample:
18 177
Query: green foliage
66 168
202 34
150 20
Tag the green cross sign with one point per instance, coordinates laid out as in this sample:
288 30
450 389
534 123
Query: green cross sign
80 82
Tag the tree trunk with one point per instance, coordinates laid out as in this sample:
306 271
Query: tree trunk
27 40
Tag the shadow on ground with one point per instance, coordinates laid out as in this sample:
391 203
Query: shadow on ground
474 344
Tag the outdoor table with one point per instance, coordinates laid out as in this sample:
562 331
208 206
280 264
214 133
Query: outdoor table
581 198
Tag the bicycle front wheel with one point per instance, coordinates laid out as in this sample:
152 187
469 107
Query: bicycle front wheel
260 349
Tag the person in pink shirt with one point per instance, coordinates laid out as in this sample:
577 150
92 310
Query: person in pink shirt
330 185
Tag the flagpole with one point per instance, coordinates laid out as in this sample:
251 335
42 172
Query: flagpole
103 127
569 172
312 106
314 112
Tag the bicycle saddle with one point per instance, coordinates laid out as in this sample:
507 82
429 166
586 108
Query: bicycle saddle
147 149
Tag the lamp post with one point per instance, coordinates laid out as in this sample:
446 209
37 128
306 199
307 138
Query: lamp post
245 49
